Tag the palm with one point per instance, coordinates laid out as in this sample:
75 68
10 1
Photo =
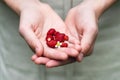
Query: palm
39 23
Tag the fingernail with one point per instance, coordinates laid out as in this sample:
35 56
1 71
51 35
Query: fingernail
80 57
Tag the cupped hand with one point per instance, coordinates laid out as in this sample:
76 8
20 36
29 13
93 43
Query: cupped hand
82 20
34 24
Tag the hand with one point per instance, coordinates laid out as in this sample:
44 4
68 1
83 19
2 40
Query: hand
82 20
33 28
34 24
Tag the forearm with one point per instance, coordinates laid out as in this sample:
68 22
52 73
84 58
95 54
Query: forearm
19 5
99 5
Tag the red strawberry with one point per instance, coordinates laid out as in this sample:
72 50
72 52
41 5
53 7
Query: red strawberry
54 36
49 38
60 37
56 33
64 44
66 38
51 31
52 43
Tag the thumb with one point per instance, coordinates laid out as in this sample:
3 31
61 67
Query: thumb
31 39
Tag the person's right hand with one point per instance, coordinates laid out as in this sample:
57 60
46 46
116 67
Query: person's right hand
34 24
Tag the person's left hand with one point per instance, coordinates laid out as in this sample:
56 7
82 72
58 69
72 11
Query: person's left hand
82 20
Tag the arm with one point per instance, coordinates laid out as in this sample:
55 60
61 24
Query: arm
99 6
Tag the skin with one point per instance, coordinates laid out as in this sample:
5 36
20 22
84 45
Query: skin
36 19
39 22
84 27
80 26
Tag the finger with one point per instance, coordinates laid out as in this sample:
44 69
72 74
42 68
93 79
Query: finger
70 51
32 40
34 57
56 63
73 39
80 57
41 60
55 54
74 42
74 46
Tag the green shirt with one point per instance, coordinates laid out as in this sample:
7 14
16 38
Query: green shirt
103 64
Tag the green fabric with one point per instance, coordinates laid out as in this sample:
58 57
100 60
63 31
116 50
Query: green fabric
103 64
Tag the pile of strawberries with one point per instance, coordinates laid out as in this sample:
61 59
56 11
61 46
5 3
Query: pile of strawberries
55 39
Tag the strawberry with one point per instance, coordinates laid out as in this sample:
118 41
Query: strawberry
56 39
66 38
56 33
64 44
49 38
60 37
52 43
51 31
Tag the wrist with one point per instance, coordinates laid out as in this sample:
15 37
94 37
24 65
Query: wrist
98 6
19 5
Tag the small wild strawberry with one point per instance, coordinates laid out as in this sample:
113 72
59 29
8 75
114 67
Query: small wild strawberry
66 38
64 44
51 31
49 38
56 33
60 37
52 43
